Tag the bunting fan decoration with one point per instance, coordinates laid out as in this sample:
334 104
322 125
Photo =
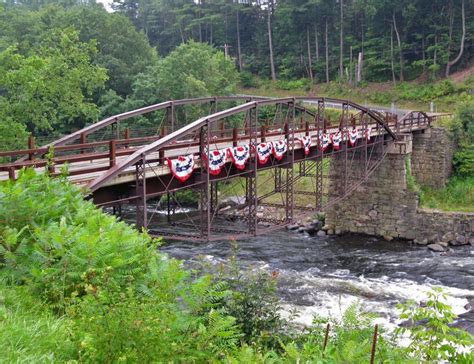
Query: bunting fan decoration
324 141
368 133
353 135
336 139
240 155
306 143
182 167
279 149
215 161
264 151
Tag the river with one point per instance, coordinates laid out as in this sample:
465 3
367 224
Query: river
324 275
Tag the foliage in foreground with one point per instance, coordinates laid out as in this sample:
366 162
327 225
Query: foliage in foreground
76 284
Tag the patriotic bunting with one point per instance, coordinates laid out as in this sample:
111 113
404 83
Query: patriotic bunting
279 148
240 155
182 167
324 141
368 132
305 143
215 161
336 140
264 151
353 135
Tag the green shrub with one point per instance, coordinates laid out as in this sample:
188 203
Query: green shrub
303 83
458 195
249 80
435 339
462 128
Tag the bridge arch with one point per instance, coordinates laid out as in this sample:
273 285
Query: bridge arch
212 118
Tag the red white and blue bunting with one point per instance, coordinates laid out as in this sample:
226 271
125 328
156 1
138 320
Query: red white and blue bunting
353 135
305 143
264 151
240 155
336 139
324 141
368 133
279 149
215 161
182 167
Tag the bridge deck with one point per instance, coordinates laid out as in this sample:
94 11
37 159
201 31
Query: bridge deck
86 170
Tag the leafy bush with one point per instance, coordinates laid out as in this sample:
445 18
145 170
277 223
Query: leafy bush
458 195
435 339
463 130
302 83
248 80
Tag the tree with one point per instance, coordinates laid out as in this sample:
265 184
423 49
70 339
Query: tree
53 88
192 70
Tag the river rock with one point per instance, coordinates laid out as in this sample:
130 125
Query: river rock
435 247
387 237
443 244
330 232
471 241
434 239
317 224
373 213
338 231
447 237
292 226
321 233
421 242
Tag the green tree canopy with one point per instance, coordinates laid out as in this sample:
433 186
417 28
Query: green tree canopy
53 88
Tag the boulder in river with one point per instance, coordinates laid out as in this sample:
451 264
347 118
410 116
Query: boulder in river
293 227
421 241
459 240
321 233
435 247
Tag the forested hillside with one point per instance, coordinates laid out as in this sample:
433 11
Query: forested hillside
320 39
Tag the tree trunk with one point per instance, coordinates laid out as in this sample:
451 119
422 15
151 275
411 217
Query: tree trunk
435 54
359 68
341 43
310 61
327 52
423 54
316 42
270 40
239 54
391 55
463 38
399 46
350 67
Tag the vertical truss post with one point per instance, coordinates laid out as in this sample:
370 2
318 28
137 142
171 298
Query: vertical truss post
141 204
252 194
290 140
345 131
205 198
365 128
277 179
168 207
214 196
170 116
319 159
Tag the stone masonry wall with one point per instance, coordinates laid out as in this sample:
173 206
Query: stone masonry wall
432 157
385 206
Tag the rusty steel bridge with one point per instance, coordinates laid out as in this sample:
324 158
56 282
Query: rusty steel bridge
251 162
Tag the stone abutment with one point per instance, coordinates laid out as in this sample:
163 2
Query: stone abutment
388 205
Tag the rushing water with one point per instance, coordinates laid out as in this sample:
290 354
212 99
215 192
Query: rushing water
323 275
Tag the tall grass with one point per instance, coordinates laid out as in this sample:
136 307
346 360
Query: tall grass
458 195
